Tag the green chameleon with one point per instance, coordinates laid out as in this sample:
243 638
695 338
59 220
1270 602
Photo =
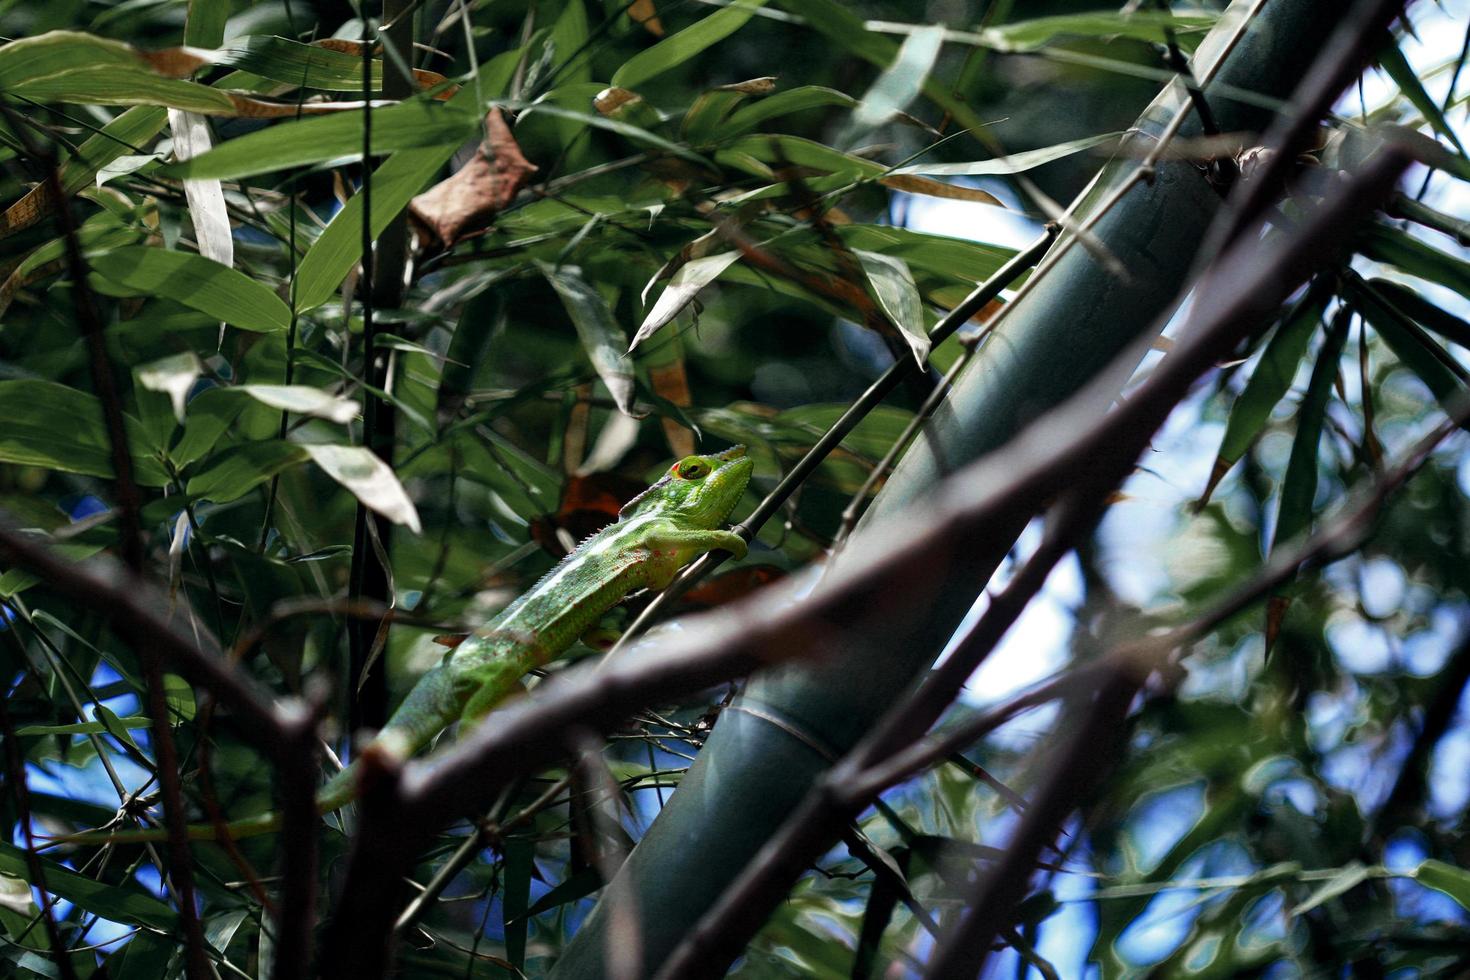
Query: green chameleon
657 533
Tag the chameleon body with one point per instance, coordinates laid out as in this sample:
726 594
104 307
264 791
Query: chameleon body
656 534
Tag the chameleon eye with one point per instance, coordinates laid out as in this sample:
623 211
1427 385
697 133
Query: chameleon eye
693 469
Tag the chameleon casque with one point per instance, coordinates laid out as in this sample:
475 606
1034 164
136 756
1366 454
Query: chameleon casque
657 533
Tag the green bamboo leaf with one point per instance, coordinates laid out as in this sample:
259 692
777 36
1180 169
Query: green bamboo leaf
50 425
145 957
601 336
800 152
31 59
679 48
121 903
519 865
294 63
104 230
746 118
568 40
115 727
130 132
706 118
417 123
956 258
196 282
893 285
1299 488
17 580
371 481
1012 164
627 130
178 694
900 83
238 470
1445 878
1429 315
1142 25
395 182
1267 385
686 283
132 723
1417 351
124 86
1392 60
204 27
1396 247
207 416
574 888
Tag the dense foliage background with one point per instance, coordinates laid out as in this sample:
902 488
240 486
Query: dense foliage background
778 201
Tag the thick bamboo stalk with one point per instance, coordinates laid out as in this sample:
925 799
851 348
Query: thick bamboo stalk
1074 319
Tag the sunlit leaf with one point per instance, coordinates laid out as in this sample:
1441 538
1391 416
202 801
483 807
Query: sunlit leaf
901 82
893 284
692 276
304 400
370 479
601 337
1013 163
174 376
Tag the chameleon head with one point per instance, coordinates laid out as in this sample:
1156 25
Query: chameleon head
697 491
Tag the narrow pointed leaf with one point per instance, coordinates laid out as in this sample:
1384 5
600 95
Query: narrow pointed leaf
681 290
395 182
901 82
746 118
1396 247
678 48
893 285
1349 878
1268 383
1415 349
1446 878
313 140
1429 315
1144 25
196 282
1299 487
1013 163
601 337
370 479
1392 60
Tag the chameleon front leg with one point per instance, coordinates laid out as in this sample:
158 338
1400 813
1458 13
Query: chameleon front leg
687 546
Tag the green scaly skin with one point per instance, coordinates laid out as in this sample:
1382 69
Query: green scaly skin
659 532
